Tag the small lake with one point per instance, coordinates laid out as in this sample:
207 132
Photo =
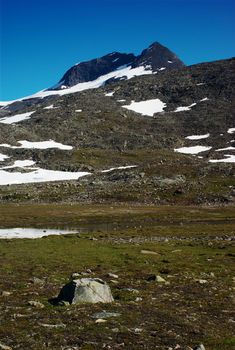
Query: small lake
22 232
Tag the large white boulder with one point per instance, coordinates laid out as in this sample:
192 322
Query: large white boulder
86 290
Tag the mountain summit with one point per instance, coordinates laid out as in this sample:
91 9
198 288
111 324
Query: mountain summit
153 59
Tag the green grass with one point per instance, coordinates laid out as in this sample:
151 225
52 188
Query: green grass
182 311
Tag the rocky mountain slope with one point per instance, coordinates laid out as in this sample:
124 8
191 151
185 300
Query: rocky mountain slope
172 134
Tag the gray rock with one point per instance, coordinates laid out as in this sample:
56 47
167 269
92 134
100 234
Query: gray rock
112 275
5 347
36 304
199 347
104 314
86 290
36 280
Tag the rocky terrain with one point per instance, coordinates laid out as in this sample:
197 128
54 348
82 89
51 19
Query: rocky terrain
102 134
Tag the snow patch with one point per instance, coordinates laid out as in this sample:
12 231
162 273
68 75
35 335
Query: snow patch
3 157
78 110
185 108
50 107
16 118
20 164
226 149
148 107
230 159
192 150
110 93
169 61
39 145
231 130
197 137
119 168
38 175
21 232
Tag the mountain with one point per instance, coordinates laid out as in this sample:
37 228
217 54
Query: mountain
153 138
155 58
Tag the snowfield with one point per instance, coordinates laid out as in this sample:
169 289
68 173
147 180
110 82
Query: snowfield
39 145
38 175
148 107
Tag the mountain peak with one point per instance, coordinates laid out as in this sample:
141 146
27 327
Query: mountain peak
158 57
153 59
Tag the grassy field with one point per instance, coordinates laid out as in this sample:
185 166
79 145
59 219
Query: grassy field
194 253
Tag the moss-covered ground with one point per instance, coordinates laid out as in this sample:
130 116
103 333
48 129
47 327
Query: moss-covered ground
192 248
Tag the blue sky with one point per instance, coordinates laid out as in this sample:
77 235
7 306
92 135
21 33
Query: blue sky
41 39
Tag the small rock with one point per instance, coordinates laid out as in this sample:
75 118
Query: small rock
160 279
5 347
115 330
36 304
75 275
112 275
114 281
100 320
138 299
36 280
104 314
201 281
61 325
199 347
4 293
148 252
138 330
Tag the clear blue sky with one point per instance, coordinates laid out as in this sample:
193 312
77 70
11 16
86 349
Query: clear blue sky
41 39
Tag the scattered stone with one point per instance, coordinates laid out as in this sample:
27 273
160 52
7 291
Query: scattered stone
4 293
148 252
115 330
199 347
114 281
100 320
138 330
85 290
5 347
112 275
36 280
61 325
132 290
36 304
104 314
138 299
75 275
156 278
201 281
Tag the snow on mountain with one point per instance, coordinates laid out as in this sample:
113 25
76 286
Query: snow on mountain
16 118
148 107
39 145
